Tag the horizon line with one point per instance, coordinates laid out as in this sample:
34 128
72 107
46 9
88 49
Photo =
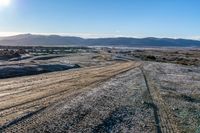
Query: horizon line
91 35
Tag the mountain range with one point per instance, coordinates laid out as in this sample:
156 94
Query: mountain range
43 40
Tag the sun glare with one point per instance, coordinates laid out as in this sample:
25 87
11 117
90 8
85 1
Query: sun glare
5 3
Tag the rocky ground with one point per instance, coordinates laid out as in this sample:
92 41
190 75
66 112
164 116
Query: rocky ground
123 97
112 96
175 90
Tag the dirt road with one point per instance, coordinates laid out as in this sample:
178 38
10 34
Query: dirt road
122 97
23 97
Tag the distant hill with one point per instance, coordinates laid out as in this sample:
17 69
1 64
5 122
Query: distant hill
29 39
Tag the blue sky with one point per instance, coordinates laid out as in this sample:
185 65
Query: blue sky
89 18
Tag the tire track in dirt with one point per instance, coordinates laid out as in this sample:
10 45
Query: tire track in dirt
32 78
151 104
164 118
55 98
47 95
29 81
42 92
16 89
111 105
